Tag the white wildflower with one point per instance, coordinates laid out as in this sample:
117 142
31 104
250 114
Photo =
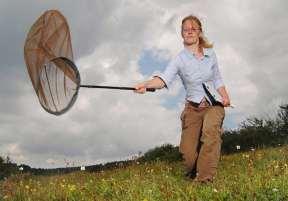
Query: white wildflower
275 190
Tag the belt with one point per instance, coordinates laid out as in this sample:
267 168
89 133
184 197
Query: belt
203 103
193 103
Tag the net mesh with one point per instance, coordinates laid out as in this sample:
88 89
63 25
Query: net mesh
55 82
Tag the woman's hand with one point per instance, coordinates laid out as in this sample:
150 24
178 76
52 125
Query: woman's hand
155 83
224 95
140 88
226 101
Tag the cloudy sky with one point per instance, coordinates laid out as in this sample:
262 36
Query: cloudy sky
123 42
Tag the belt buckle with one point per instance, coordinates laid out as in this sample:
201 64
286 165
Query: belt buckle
204 103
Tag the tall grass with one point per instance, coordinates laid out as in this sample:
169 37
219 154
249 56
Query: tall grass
255 175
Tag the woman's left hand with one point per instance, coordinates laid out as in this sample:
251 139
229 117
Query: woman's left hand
226 101
225 97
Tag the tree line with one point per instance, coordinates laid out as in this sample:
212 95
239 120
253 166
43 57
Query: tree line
253 133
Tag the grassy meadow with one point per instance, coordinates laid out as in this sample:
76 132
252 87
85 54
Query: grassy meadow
255 175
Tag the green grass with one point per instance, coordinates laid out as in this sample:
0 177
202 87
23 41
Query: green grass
256 175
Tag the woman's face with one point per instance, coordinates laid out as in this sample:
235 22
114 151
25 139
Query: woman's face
190 32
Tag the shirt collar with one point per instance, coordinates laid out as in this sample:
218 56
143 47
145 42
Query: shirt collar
207 52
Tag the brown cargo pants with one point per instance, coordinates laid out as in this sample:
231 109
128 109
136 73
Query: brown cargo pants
201 139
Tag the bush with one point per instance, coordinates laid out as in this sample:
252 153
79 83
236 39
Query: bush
7 168
258 133
166 152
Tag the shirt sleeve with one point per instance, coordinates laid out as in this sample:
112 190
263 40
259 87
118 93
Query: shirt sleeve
170 72
217 78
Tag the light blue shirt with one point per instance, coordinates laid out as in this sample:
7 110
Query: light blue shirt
193 72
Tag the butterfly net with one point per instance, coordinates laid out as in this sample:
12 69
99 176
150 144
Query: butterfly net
55 82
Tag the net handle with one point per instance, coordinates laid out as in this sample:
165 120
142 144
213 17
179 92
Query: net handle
112 87
73 65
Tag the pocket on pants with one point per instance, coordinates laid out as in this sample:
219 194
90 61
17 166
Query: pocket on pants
221 114
182 118
188 118
217 118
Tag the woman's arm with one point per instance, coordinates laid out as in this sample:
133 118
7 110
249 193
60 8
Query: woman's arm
156 83
162 80
224 95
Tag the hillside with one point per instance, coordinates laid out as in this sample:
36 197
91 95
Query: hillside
254 175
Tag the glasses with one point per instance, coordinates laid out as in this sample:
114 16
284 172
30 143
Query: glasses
190 30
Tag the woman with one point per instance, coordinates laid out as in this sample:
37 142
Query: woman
197 66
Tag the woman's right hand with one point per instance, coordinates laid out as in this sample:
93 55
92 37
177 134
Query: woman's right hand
140 88
155 83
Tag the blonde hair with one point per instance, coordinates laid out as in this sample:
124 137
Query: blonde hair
203 41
